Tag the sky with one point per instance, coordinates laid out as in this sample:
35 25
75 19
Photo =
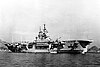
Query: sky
68 19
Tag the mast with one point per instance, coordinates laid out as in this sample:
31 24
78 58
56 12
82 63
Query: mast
45 30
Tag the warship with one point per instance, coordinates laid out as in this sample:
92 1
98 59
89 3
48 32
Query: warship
43 43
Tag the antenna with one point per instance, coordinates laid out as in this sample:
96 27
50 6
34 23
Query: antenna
44 30
44 26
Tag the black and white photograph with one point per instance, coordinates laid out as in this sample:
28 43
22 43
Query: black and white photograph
49 33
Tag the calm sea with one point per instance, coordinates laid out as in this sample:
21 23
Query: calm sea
8 59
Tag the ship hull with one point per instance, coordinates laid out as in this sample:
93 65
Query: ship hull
33 50
70 51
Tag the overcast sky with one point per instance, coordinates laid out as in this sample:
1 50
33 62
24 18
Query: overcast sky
69 19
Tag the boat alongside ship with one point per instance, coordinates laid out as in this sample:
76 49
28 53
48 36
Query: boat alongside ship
43 43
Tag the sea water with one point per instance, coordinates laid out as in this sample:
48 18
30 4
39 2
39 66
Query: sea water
9 59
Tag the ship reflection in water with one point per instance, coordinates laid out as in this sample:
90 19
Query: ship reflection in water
49 60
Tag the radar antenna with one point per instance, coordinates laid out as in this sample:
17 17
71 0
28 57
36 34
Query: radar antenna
45 30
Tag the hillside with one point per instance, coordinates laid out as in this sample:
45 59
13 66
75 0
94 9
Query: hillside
94 49
2 46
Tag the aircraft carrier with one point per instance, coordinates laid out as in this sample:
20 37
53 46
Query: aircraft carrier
44 44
